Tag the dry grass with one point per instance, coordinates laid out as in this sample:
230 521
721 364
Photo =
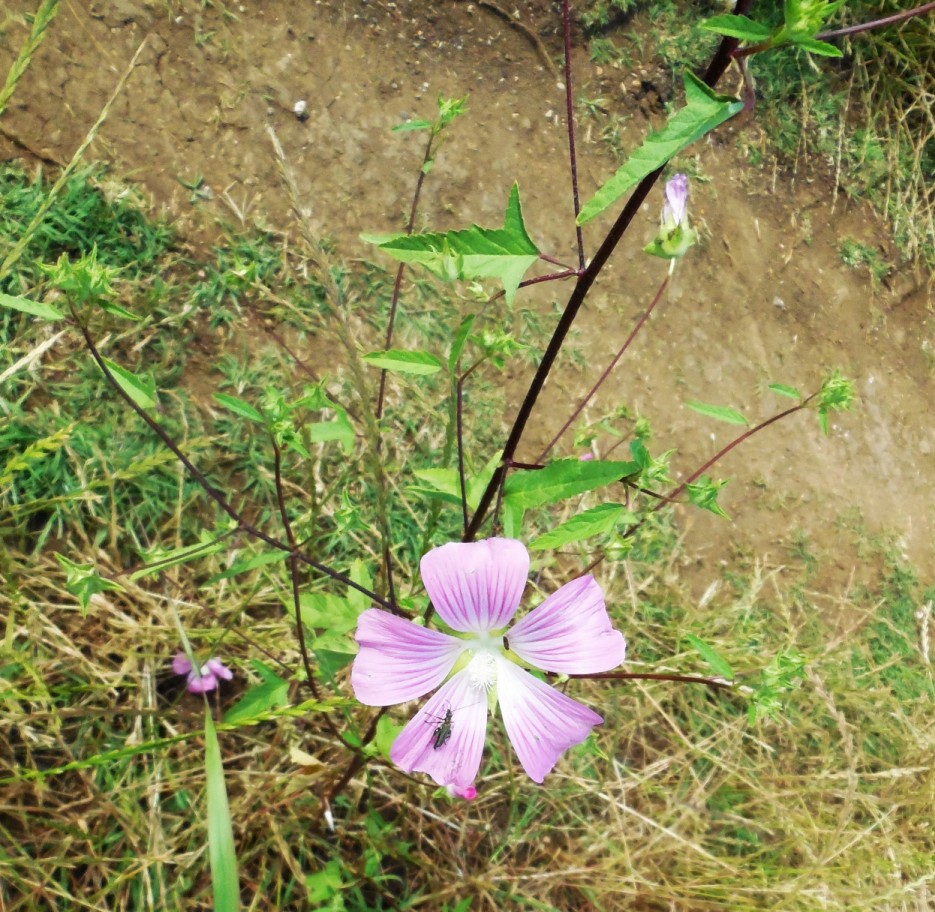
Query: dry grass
896 78
678 804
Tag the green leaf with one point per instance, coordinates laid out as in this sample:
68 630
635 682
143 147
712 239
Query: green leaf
340 430
472 253
326 612
83 581
158 559
251 563
720 412
34 308
478 484
435 494
113 308
445 481
239 407
741 27
789 391
358 600
411 125
387 732
704 494
142 390
405 362
225 883
704 110
716 662
813 46
272 693
512 516
562 479
591 522
461 337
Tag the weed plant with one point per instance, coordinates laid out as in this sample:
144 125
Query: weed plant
802 781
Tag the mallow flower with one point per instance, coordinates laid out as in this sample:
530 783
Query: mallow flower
476 589
204 679
675 235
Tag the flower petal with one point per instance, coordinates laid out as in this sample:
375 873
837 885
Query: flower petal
201 683
398 660
446 737
180 664
541 722
570 632
217 668
476 587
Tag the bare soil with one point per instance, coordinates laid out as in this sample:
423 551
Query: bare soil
766 299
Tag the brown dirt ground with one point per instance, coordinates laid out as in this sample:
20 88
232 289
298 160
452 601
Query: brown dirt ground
767 299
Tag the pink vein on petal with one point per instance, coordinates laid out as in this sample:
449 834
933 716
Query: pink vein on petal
455 761
476 586
570 632
540 722
398 660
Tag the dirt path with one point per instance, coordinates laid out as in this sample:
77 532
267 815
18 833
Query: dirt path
766 300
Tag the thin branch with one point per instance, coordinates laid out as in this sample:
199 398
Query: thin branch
293 569
570 126
878 23
600 380
719 64
459 433
717 683
397 285
669 498
212 492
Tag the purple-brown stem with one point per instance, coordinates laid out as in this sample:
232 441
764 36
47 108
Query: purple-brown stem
878 23
459 435
669 498
570 126
397 285
718 65
607 371
656 676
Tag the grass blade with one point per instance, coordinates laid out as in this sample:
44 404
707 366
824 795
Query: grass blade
221 852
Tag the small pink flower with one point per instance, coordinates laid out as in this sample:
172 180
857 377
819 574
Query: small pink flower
675 207
476 589
204 679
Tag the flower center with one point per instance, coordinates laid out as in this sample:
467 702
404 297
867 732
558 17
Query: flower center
482 671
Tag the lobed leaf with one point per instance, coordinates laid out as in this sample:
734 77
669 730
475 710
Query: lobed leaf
473 253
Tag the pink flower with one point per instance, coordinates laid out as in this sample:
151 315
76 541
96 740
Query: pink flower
476 589
676 205
204 679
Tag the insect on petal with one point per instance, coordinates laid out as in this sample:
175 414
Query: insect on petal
445 738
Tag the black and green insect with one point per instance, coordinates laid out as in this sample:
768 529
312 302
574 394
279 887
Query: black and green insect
443 731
